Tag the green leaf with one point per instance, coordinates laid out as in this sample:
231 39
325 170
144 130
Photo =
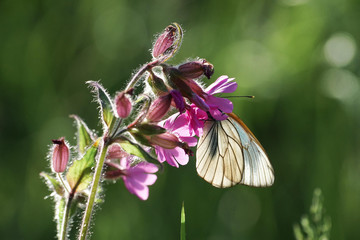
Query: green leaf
80 173
84 135
136 150
105 102
182 226
53 184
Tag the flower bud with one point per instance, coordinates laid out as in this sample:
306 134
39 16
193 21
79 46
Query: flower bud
150 129
165 140
159 108
123 105
157 84
197 68
168 42
60 155
186 86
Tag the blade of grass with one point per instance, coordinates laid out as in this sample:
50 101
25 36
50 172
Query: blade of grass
182 226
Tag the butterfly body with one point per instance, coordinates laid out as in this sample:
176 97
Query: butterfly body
228 153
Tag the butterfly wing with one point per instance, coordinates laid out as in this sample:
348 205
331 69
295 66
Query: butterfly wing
228 153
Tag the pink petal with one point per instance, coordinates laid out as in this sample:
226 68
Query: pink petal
143 178
191 141
222 85
217 115
136 188
148 167
223 104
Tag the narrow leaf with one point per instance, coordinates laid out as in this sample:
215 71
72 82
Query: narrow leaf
182 227
53 184
80 173
105 102
84 135
136 150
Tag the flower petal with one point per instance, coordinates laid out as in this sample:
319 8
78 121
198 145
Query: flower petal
223 84
134 187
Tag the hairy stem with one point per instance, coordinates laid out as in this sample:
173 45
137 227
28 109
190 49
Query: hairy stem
141 71
94 187
65 221
62 182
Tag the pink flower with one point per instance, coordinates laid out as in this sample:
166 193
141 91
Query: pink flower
192 121
177 155
219 106
136 178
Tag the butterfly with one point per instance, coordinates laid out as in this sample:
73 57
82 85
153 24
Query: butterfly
228 153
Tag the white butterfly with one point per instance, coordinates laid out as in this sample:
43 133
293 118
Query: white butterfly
228 153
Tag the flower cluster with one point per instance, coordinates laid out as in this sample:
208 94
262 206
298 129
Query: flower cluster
173 117
143 131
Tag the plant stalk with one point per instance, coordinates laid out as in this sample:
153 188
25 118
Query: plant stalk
65 221
141 71
94 187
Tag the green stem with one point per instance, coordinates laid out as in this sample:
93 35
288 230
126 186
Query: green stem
65 221
91 200
141 71
62 182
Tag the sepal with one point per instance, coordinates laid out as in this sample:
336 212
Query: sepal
136 150
53 184
105 103
84 135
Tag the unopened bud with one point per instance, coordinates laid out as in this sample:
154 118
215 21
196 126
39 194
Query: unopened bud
123 105
165 140
186 86
60 156
157 84
168 42
196 69
159 108
150 129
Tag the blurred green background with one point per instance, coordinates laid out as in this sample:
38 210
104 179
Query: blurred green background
300 58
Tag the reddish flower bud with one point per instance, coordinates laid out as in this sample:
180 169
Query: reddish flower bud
196 68
60 155
123 105
165 140
159 108
168 42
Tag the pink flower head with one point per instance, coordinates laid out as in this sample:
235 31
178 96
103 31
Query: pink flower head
136 178
218 106
177 155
